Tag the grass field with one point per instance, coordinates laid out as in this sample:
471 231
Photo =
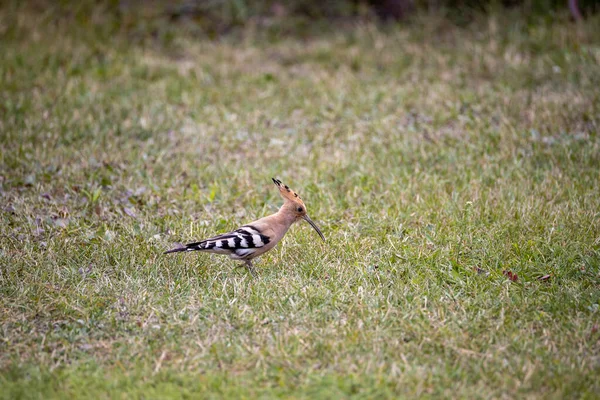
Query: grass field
435 158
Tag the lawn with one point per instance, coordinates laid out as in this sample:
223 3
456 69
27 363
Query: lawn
438 160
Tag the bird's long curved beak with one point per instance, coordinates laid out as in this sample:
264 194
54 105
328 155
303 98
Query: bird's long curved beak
310 221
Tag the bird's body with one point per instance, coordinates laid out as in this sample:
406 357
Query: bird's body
258 237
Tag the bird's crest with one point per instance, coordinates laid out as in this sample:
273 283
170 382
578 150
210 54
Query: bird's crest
287 193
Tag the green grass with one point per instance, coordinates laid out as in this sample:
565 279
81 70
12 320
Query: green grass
425 152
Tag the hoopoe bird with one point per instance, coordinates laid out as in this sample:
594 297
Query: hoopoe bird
258 237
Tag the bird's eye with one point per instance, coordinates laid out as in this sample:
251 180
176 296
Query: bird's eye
300 209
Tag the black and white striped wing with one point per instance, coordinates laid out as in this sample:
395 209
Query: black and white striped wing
237 244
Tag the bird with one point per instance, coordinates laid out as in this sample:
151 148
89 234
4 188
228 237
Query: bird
258 237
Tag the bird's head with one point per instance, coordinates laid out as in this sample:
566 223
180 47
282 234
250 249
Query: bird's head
294 205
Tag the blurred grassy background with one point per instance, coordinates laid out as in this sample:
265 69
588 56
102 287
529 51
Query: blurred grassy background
437 154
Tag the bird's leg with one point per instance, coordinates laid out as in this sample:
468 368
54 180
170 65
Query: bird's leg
250 268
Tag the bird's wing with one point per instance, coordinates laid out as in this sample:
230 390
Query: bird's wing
240 243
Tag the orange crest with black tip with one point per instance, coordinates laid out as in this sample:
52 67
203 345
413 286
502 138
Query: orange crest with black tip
287 193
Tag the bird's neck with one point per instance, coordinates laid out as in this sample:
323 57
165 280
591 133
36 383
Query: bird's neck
284 217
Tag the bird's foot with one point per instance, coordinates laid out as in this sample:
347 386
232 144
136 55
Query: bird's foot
250 268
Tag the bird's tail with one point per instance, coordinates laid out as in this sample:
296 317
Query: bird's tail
187 247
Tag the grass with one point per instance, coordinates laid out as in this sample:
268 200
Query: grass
434 158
